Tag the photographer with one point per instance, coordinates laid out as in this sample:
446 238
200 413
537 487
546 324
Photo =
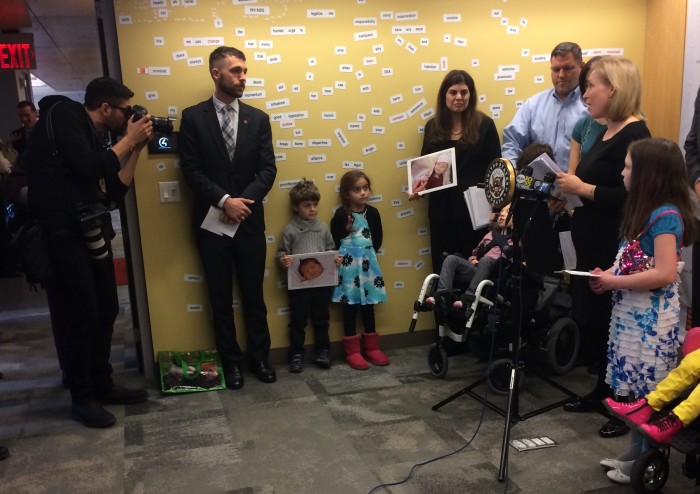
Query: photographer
73 175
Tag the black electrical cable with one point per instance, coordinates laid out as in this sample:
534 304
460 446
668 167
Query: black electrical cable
481 415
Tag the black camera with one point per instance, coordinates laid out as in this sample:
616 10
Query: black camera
161 125
91 217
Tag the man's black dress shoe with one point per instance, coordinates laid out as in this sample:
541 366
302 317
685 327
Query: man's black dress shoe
263 371
613 428
118 395
584 404
91 414
580 405
234 377
4 452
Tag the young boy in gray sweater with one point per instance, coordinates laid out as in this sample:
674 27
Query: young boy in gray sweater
306 234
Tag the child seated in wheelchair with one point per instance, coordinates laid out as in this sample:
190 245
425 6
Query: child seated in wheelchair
482 264
646 413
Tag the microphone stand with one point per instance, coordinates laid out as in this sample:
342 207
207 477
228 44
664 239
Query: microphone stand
512 412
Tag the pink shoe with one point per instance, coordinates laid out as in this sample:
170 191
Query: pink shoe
370 345
351 345
661 431
635 413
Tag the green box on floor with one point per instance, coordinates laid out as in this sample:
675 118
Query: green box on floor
190 372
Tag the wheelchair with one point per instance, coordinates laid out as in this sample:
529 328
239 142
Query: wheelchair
651 470
489 317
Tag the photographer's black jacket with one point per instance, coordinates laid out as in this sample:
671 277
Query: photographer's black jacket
58 181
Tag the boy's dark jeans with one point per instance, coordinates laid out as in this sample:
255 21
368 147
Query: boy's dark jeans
307 302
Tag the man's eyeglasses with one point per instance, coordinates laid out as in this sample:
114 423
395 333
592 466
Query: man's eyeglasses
128 111
566 68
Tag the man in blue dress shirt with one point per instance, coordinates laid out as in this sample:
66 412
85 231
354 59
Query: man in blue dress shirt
549 117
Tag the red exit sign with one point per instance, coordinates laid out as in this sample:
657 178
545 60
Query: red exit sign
17 51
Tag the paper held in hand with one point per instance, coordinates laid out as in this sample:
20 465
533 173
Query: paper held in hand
543 164
573 272
479 207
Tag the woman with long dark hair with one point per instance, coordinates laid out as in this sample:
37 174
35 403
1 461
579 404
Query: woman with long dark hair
458 123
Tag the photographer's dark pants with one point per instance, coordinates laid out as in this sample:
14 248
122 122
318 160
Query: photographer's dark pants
307 302
83 299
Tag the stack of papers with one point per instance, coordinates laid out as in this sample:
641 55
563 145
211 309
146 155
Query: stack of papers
543 164
479 207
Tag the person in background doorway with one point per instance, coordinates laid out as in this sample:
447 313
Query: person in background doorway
27 114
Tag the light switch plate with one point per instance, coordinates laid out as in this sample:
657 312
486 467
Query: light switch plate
169 191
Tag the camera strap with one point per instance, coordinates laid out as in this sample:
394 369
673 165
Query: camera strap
49 131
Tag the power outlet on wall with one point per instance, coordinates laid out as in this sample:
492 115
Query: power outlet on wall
169 191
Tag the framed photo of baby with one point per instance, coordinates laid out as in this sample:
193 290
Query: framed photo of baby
312 270
432 172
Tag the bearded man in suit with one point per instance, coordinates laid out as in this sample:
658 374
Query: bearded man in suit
228 160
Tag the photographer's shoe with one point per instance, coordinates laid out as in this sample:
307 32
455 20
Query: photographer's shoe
91 414
117 395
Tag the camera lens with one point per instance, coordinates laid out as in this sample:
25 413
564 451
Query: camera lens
96 244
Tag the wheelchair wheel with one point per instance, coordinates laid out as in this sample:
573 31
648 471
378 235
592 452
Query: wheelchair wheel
437 360
498 378
650 471
562 345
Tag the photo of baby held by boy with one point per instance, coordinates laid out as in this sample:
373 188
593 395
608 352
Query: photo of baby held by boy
313 270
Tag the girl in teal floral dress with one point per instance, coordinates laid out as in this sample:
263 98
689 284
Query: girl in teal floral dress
643 337
357 230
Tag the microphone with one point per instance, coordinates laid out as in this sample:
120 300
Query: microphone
524 180
545 186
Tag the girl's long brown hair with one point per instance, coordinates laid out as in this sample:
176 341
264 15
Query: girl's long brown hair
347 182
659 176
439 128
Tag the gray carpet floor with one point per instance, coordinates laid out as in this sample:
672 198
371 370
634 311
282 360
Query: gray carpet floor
322 431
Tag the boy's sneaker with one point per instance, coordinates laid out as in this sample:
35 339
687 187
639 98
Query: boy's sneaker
296 364
661 432
322 358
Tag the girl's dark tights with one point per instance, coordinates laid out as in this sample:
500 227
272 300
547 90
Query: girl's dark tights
350 318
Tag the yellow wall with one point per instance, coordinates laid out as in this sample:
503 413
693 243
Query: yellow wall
168 247
663 59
